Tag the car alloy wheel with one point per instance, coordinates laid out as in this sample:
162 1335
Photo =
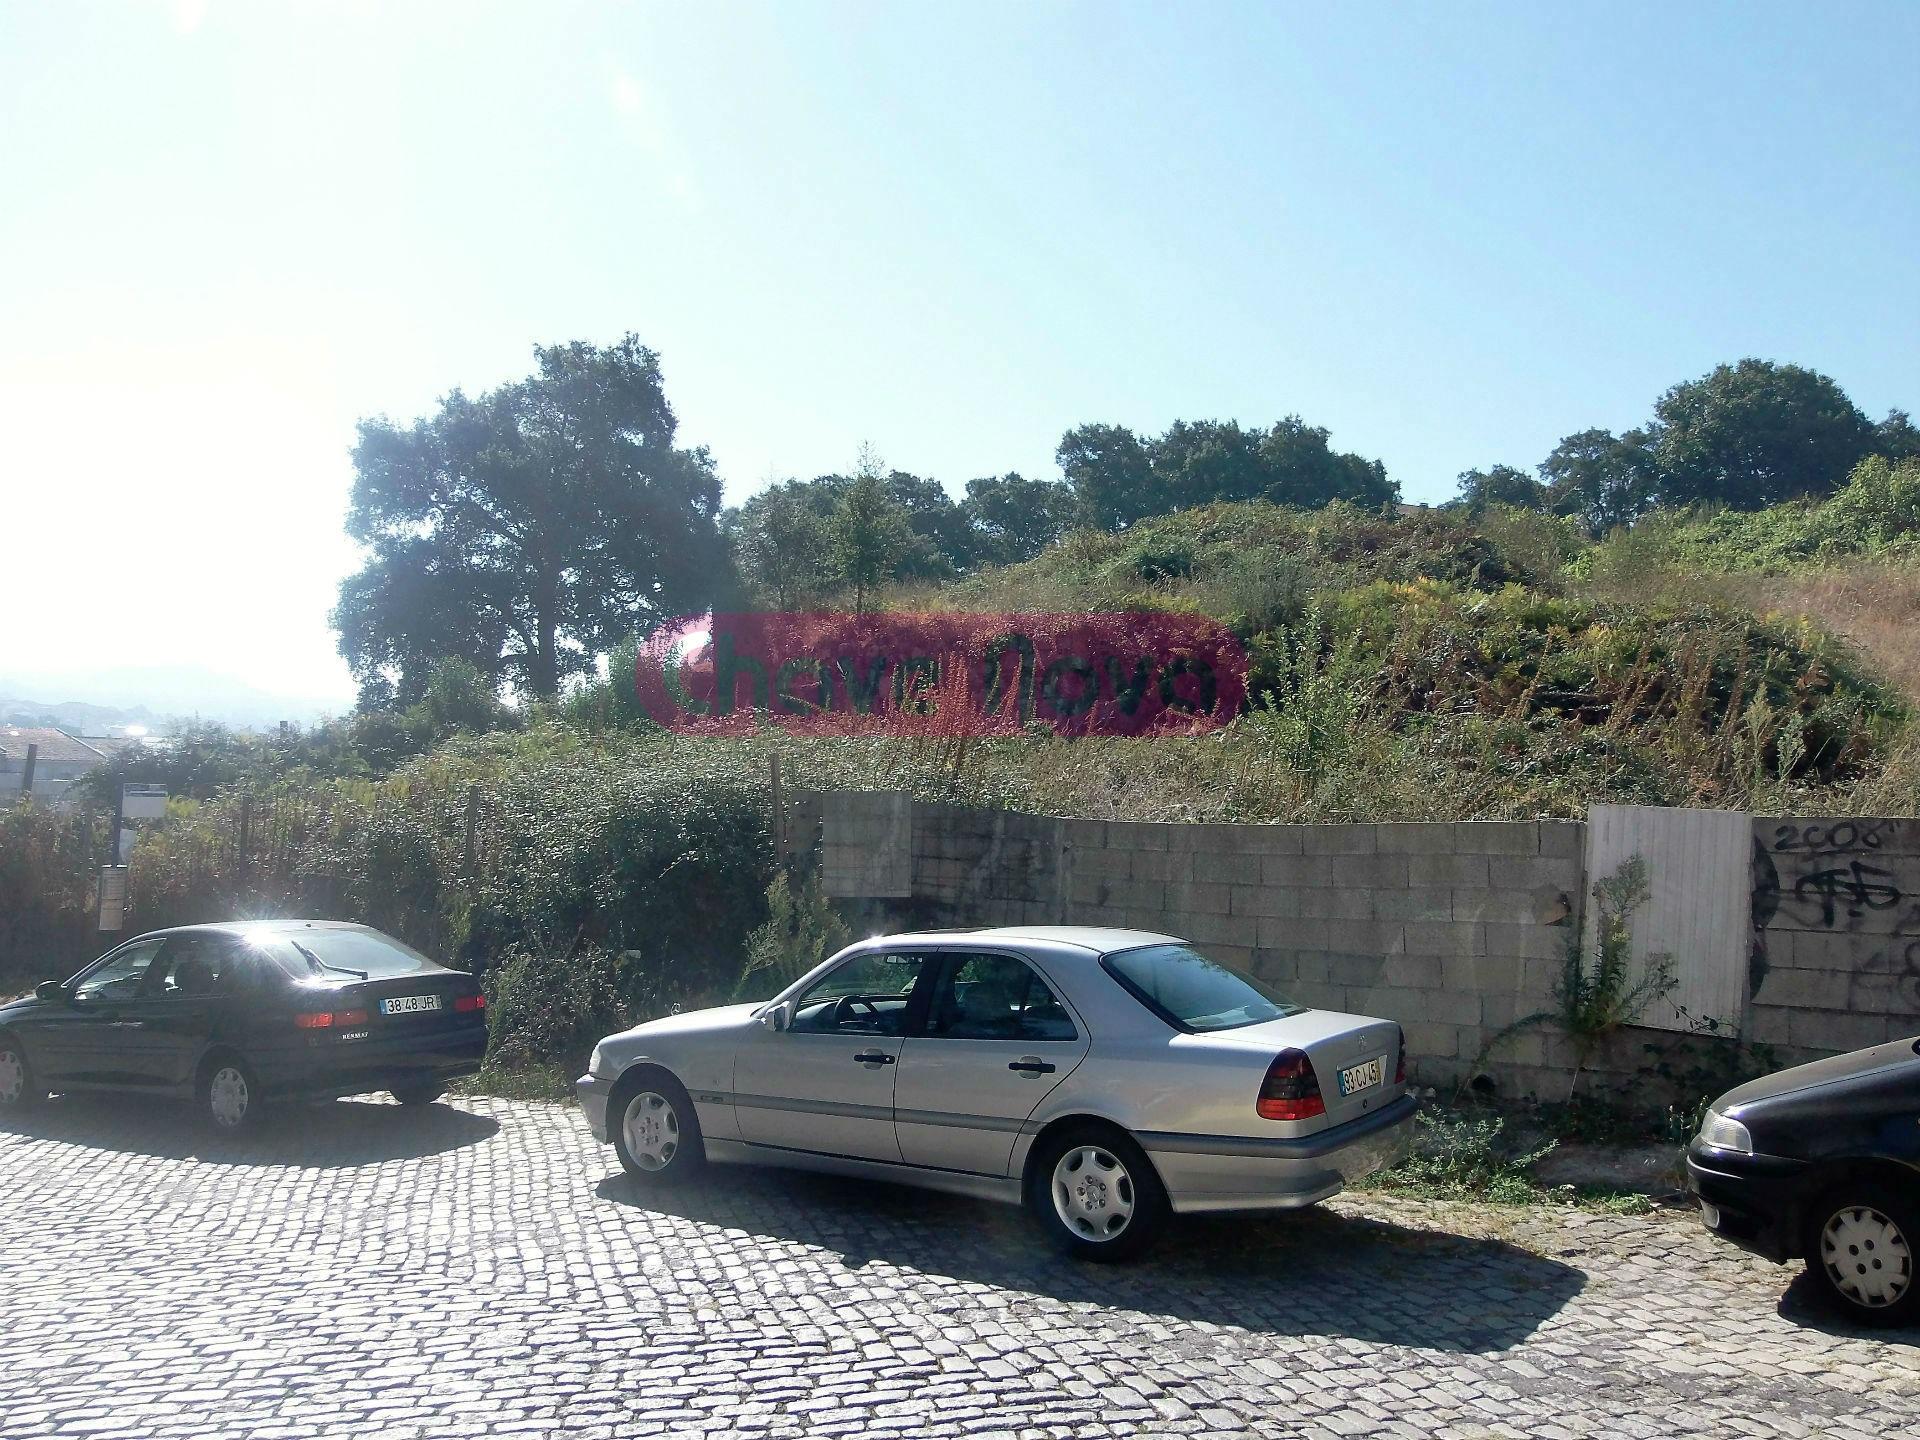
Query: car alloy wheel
651 1128
13 1076
229 1097
1093 1194
1868 1259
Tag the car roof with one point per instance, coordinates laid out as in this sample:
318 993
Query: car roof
246 927
1095 939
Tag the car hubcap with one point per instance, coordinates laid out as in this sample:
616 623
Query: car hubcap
1092 1193
1867 1257
13 1077
652 1130
227 1097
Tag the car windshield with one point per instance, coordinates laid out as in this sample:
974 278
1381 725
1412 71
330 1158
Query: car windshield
360 951
1183 987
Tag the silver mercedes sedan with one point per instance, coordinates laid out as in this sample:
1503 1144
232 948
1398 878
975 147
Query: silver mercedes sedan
1102 1078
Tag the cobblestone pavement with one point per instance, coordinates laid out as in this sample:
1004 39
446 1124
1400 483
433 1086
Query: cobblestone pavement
483 1269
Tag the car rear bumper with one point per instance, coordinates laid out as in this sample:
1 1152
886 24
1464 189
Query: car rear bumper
1213 1172
1757 1202
593 1092
357 1067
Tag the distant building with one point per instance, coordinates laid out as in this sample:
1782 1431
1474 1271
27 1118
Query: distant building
60 761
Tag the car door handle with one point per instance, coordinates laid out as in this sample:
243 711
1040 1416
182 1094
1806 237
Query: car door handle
1030 1066
874 1057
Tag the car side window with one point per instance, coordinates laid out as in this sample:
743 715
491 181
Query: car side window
868 995
996 997
121 977
193 966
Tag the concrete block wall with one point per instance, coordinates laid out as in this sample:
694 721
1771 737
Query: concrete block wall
1454 930
1836 934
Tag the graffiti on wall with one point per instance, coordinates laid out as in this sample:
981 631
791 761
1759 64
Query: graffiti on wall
1857 880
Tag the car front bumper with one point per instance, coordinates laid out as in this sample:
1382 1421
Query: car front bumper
1212 1172
593 1093
1757 1202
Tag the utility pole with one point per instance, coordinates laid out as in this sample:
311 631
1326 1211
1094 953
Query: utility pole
113 856
26 775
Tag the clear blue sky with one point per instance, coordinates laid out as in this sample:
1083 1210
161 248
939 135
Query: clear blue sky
1450 233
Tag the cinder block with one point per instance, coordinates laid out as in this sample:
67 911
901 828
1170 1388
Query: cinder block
1339 840
1518 872
1522 1047
1489 974
1453 871
1136 835
1413 972
1496 837
1366 937
1227 868
1234 957
1280 967
1192 897
1834 1030
1530 942
1282 932
1335 904
1541 977
1804 989
1356 972
1155 921
1563 839
1427 1041
1422 904
1446 937
1895 996
1317 996
1264 900
1768 1025
1269 839
1208 929
1499 1011
1509 907
1103 862
1418 837
1313 965
1084 835
1140 895
1161 865
1090 890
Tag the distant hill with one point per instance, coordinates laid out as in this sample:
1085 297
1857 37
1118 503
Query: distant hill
154 696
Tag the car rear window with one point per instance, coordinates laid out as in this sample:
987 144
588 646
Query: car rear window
362 950
1191 992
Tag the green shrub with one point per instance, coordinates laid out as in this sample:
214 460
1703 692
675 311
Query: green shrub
545 1008
801 930
1464 1157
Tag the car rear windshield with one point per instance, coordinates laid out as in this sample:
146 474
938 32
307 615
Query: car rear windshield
359 950
1191 992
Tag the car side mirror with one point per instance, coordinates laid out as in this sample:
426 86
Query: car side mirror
777 1017
50 990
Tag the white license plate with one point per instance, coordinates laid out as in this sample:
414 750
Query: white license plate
409 1004
1365 1076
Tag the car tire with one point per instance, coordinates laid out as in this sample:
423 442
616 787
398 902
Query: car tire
1095 1193
1862 1243
655 1131
229 1096
18 1088
418 1092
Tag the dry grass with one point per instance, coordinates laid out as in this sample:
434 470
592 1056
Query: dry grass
1874 605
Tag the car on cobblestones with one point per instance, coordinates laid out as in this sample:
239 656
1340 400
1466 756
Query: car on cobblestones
235 1016
1822 1162
1104 1078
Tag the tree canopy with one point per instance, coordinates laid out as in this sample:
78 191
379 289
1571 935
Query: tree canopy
529 529
1755 433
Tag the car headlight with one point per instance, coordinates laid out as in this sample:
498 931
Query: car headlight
1725 1134
593 1065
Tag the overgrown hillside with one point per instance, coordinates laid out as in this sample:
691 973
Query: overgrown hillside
1429 664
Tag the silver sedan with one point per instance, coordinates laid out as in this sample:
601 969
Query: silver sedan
1103 1078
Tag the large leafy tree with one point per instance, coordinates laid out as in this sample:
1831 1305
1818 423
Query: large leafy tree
1753 434
528 529
1501 485
1607 480
1015 518
781 539
870 532
1111 473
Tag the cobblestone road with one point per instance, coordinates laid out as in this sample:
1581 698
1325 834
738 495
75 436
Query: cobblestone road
484 1269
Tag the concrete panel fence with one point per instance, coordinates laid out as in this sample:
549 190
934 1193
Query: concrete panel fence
1458 931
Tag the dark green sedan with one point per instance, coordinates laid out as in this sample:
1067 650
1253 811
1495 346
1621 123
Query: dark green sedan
236 1016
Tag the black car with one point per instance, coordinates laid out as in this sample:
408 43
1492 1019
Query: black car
1822 1162
234 1016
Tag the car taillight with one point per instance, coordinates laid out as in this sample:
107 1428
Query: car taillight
1291 1090
470 1002
1400 1067
317 1020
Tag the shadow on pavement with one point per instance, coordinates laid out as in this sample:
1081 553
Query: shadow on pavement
1311 1272
329 1136
1805 1304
